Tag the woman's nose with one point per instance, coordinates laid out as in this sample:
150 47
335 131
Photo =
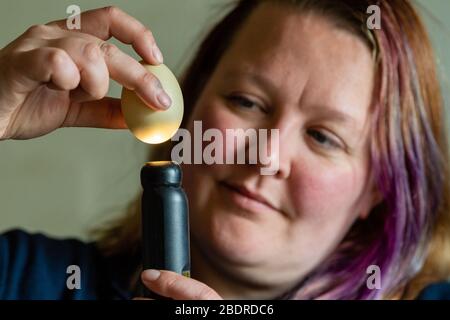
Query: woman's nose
275 153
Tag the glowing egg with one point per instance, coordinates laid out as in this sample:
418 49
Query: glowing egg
152 126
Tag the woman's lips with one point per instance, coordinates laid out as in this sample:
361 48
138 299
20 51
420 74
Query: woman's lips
248 200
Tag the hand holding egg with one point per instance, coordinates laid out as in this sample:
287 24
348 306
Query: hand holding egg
150 125
52 77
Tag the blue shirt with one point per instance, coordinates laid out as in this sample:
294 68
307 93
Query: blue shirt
33 266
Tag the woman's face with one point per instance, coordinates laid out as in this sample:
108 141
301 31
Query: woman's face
312 81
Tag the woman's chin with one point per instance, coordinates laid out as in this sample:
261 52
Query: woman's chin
237 239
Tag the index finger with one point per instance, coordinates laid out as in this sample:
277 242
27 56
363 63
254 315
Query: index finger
108 22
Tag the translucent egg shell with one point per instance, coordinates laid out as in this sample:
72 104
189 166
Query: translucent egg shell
152 126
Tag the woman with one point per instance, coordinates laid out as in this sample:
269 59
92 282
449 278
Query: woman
362 180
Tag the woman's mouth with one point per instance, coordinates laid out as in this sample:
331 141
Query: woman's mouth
247 199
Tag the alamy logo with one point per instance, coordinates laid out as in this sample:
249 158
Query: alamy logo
374 21
374 280
74 279
73 22
237 146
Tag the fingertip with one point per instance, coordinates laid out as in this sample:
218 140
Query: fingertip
157 54
147 47
164 100
151 100
150 275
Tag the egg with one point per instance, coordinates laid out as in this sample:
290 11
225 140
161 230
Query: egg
149 125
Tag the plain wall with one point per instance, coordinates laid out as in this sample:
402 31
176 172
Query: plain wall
75 178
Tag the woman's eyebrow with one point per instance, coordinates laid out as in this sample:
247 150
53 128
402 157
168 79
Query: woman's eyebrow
257 78
333 113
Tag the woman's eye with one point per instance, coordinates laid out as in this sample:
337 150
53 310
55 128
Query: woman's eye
323 139
243 102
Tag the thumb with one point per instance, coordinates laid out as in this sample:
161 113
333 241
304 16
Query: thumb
105 113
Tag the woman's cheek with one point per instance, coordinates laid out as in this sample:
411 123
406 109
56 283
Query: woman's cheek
323 201
321 191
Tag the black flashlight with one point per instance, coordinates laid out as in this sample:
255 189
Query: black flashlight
165 220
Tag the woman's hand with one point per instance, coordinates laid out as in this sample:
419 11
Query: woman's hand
172 285
51 77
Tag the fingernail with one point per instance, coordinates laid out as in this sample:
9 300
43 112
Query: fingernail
157 54
151 274
164 99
